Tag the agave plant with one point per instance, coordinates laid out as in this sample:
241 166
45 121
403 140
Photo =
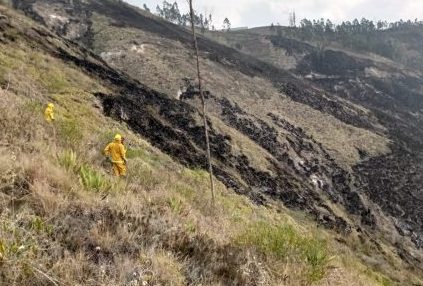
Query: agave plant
93 180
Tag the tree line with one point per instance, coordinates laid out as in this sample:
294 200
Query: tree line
361 34
322 26
170 12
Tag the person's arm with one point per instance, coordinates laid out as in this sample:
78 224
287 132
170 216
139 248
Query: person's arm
52 115
123 152
107 150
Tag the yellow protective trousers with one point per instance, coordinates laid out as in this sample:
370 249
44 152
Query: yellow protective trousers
119 169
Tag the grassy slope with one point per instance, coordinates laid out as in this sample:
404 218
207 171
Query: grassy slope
59 228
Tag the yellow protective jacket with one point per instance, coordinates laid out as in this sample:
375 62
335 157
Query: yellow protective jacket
49 114
117 151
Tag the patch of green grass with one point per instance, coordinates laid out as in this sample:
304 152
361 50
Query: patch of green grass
379 277
10 60
153 160
16 243
33 106
284 242
316 254
135 153
387 282
38 225
175 204
56 82
238 209
93 180
68 160
184 190
141 173
69 132
191 227
51 76
199 176
280 241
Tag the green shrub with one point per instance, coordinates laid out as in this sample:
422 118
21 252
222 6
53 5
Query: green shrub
280 241
93 180
68 160
316 254
284 242
175 204
18 243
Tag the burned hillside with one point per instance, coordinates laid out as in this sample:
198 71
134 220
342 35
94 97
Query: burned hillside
336 135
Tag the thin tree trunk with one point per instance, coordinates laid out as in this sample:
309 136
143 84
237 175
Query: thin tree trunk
200 87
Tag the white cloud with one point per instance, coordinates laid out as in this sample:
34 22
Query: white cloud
263 12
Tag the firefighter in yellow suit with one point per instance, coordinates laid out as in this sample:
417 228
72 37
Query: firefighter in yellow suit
49 112
117 152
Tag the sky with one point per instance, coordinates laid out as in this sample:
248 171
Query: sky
254 13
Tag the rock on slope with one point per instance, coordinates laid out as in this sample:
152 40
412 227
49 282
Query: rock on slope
336 135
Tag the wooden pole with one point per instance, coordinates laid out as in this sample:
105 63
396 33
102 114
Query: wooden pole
200 87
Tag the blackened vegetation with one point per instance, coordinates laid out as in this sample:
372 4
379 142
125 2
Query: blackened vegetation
78 26
291 46
296 161
393 181
170 125
330 62
334 181
26 7
190 90
328 104
5 26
